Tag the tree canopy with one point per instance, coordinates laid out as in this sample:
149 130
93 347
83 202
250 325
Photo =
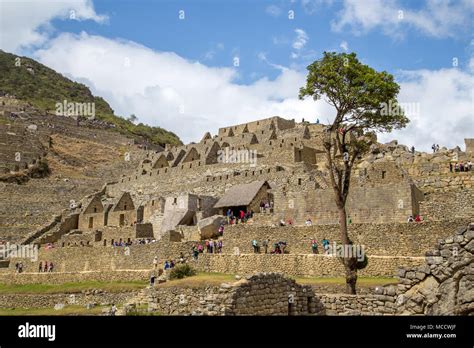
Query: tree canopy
363 98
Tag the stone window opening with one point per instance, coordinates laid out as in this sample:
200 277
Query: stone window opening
91 222
299 181
112 242
122 220
383 174
105 242
95 209
175 200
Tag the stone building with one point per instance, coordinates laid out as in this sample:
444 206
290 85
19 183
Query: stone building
246 197
93 215
123 213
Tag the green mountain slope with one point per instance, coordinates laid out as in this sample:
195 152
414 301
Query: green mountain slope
43 87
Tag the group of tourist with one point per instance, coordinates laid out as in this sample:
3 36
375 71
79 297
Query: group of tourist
46 267
241 217
435 147
278 247
417 218
460 167
211 247
266 207
314 245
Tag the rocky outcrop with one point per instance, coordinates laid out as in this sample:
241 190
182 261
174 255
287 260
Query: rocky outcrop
445 284
208 227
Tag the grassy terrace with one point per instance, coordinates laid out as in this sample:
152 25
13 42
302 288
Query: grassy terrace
67 310
71 287
215 279
200 280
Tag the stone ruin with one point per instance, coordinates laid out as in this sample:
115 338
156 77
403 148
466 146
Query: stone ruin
445 284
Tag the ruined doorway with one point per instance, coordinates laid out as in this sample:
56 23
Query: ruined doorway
122 220
91 222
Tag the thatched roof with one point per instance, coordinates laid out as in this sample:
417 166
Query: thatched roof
240 195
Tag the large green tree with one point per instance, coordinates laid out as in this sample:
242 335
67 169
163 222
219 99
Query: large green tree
366 102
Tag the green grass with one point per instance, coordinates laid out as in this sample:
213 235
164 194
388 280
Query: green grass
67 310
361 281
201 279
71 287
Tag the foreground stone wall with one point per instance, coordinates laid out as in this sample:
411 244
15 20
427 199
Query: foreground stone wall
50 300
259 294
444 285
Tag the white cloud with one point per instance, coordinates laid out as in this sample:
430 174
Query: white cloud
300 40
446 103
273 11
311 6
159 86
438 18
344 45
27 23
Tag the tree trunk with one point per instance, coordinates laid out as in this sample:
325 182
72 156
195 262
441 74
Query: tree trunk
350 263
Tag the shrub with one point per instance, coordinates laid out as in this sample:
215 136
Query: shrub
182 271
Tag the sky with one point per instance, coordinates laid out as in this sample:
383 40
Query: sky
197 65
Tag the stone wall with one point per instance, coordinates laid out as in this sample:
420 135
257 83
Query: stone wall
448 205
299 265
259 294
444 285
381 204
98 297
78 276
397 239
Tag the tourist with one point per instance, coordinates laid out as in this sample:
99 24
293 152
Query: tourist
200 248
317 121
282 222
308 222
282 246
326 245
433 147
265 245
242 216
450 167
211 246
181 258
195 252
171 263
221 229
229 215
469 165
418 218
290 222
113 310
413 150
17 267
255 246
155 262
207 246
410 219
314 246
152 280
267 207
220 247
40 268
167 265
437 147
262 206
51 266
45 266
20 267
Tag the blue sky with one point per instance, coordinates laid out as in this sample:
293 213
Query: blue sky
180 73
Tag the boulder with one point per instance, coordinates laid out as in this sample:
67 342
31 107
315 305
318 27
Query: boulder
209 227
